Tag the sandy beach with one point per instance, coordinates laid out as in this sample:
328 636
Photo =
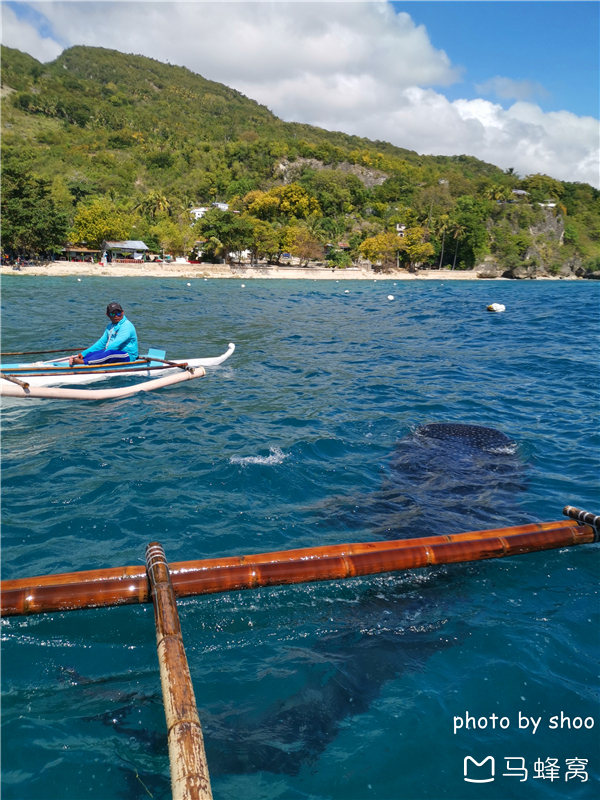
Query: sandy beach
238 271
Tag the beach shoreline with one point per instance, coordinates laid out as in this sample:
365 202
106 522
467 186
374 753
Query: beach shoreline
242 271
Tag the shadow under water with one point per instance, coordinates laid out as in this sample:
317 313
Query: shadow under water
442 478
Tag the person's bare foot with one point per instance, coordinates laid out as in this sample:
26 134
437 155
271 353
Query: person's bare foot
75 360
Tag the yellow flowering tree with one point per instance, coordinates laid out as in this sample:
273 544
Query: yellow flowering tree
291 202
414 247
99 221
382 248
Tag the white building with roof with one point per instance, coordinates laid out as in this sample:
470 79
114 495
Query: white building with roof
130 248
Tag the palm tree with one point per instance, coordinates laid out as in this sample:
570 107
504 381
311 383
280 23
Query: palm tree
458 231
496 192
153 203
442 226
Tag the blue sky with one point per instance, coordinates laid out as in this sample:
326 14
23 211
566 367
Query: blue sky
513 83
555 44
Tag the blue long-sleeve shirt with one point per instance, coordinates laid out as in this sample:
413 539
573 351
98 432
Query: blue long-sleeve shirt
119 336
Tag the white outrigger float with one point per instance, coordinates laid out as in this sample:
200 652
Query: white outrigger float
34 379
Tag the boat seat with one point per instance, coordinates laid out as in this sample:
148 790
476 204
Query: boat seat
156 354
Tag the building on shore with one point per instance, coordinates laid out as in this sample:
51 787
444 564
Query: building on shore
129 250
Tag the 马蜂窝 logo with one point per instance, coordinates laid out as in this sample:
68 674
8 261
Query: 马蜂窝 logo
477 769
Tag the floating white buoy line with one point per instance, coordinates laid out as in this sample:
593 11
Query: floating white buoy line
243 285
346 291
78 280
189 284
390 296
496 307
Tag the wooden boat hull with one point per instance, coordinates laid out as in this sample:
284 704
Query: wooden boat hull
39 374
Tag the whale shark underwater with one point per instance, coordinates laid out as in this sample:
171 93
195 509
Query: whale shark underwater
441 478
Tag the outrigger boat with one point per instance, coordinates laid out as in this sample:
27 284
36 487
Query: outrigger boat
59 373
31 380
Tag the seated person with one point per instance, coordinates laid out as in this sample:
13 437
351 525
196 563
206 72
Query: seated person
117 345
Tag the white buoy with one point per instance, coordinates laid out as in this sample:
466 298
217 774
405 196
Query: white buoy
390 296
205 279
189 284
243 285
79 280
496 307
346 291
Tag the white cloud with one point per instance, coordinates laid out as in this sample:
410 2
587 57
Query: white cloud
507 89
357 67
559 144
21 35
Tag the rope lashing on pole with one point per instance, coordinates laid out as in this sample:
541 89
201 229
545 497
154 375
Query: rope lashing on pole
585 517
182 365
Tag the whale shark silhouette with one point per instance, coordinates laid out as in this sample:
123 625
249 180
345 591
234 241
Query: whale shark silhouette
442 478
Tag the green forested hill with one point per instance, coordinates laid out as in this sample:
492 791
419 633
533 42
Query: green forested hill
102 136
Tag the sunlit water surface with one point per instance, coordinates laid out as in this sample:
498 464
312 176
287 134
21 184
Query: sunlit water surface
306 436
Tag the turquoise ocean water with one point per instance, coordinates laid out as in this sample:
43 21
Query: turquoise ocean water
306 436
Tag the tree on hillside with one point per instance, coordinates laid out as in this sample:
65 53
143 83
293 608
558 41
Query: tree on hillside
497 192
458 232
304 245
442 225
153 203
99 221
414 248
264 240
541 187
382 249
225 232
472 214
289 202
31 222
336 192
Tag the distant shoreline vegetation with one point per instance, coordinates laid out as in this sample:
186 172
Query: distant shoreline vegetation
99 145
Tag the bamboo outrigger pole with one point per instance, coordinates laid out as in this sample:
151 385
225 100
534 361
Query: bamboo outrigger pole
42 352
189 770
27 392
126 585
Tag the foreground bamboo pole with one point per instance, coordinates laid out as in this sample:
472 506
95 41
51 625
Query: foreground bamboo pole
189 770
126 585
